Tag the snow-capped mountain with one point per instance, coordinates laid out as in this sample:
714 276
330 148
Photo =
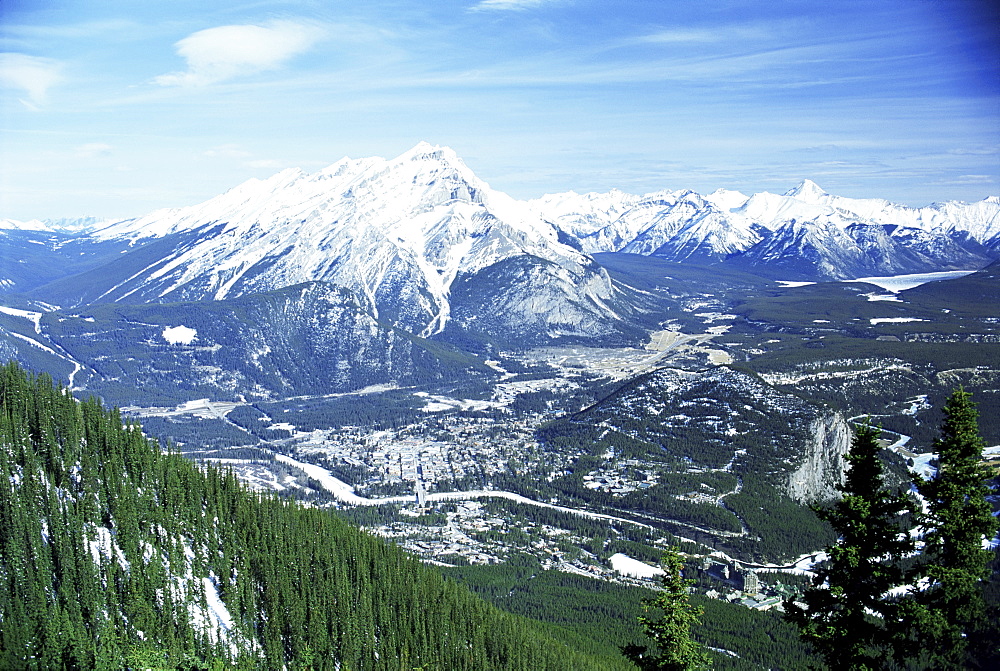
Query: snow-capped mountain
399 233
15 225
411 269
805 231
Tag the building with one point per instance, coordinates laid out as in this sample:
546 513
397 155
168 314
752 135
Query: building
751 583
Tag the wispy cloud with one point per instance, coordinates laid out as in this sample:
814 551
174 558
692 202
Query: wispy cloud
79 30
227 151
94 150
226 52
965 180
507 5
32 75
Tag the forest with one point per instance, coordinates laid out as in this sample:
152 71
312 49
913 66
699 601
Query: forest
114 554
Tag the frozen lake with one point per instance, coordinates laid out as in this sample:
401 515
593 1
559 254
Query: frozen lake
895 283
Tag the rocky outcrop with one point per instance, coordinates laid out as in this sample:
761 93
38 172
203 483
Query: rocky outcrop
823 465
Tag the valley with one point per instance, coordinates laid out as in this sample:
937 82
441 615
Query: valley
550 457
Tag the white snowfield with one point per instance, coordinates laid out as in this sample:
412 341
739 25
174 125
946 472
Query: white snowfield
33 317
633 567
894 320
179 335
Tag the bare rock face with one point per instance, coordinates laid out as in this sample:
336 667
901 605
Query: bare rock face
823 463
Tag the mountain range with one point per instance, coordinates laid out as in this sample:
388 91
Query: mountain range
419 249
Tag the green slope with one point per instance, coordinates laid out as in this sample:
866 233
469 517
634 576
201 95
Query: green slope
115 555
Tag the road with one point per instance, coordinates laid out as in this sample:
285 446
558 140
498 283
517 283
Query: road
344 493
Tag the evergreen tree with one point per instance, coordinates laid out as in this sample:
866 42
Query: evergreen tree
674 650
946 625
845 612
109 547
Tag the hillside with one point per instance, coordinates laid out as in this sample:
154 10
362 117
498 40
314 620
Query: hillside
114 555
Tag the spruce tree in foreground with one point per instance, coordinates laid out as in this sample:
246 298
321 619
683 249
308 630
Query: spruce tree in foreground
845 611
945 624
674 649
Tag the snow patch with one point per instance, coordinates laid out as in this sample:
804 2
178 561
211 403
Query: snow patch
633 567
104 546
220 614
33 342
435 403
33 317
894 320
179 335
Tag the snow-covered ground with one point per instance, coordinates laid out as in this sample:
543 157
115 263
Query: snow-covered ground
894 320
33 317
340 489
922 465
435 403
633 567
179 335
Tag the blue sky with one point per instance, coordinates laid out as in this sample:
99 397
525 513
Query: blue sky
115 108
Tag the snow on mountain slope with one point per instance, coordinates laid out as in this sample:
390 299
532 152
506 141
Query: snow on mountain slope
693 228
677 224
726 200
585 214
397 232
14 225
980 220
401 232
821 235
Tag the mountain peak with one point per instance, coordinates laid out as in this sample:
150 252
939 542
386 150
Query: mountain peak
424 150
807 190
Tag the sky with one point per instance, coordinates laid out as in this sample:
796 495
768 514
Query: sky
119 107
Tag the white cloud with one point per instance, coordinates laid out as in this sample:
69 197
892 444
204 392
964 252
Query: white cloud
93 150
739 34
966 180
30 74
507 5
225 52
683 35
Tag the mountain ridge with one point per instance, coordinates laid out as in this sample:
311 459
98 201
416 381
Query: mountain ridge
425 215
427 249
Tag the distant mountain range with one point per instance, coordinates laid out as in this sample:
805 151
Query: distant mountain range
426 218
805 233
418 247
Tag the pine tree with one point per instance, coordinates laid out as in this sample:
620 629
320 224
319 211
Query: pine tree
845 612
674 650
946 624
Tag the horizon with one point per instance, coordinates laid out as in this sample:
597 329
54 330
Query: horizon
111 220
123 109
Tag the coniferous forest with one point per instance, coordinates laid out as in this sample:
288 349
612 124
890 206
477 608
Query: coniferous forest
114 554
